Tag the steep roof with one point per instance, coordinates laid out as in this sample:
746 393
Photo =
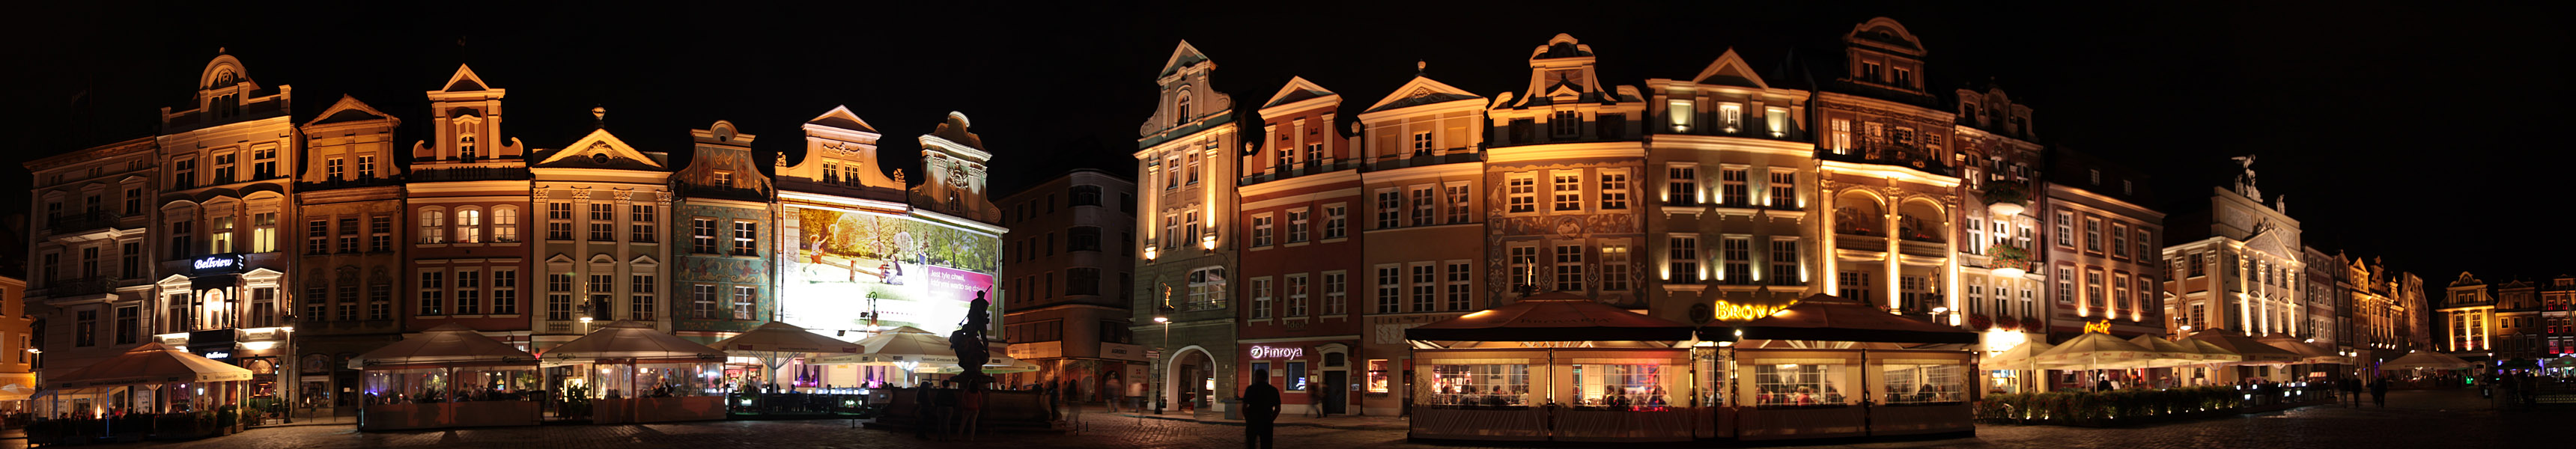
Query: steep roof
349 109
1184 56
1730 70
1298 89
464 81
1421 90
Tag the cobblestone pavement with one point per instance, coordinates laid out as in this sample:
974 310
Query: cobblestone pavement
2456 418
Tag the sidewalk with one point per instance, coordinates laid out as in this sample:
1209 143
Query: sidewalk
1342 422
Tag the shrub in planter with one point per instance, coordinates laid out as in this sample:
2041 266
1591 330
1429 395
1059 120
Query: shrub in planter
2007 406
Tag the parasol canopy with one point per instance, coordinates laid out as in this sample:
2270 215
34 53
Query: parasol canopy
2018 357
2254 352
452 344
150 363
2174 353
1554 316
905 344
2427 360
2098 351
2308 353
629 339
778 337
1828 318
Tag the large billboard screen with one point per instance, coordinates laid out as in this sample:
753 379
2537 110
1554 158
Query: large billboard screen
909 271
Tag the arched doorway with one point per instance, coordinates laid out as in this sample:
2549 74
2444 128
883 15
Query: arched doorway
1189 380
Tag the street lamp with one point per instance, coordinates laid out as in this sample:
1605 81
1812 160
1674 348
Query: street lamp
1160 382
585 325
287 374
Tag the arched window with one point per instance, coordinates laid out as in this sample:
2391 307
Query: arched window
469 226
1181 107
465 146
433 226
505 224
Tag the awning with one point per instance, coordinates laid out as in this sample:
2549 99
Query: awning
448 344
2427 360
2102 351
1555 316
1828 318
627 339
2254 352
902 345
777 337
2308 353
150 363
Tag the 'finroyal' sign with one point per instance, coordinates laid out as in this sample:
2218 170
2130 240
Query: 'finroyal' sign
1266 352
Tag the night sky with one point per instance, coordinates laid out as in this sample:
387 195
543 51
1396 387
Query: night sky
2414 132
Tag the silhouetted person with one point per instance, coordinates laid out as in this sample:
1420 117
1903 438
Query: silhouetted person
1262 408
2379 392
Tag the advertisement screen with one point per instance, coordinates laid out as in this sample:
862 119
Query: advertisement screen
908 271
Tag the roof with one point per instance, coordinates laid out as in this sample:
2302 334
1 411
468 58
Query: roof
629 339
1184 56
349 109
150 363
774 337
1298 89
841 117
1730 70
1554 316
1422 90
450 344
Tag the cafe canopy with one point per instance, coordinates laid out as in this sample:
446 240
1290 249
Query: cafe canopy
1555 316
628 339
1828 318
2254 352
449 344
150 363
2427 360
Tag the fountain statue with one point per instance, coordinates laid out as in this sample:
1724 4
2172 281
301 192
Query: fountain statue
969 343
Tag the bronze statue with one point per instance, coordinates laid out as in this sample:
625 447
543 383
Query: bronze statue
968 341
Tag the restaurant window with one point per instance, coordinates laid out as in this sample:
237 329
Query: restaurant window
1927 383
1620 386
1794 383
1376 380
1486 385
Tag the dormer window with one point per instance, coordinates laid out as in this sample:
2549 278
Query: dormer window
1422 143
465 147
724 177
1181 108
1904 78
1731 116
1680 113
1869 71
831 173
1566 124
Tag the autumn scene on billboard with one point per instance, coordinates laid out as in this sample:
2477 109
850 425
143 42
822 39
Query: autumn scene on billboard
1398 224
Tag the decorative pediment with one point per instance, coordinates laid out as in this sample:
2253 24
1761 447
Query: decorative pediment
601 149
1730 70
349 109
841 118
464 81
1298 89
1182 57
1421 90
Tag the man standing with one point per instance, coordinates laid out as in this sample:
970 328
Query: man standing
2379 392
1262 402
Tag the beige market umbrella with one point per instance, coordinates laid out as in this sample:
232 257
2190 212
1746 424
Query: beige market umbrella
628 339
150 363
775 343
908 348
2427 360
2308 353
2254 352
2098 351
2176 354
447 345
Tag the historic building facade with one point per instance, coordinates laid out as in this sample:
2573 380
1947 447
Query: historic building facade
1563 157
603 198
223 274
349 197
1887 182
2110 257
723 199
1419 156
92 263
465 204
1071 256
2235 264
1736 168
1186 162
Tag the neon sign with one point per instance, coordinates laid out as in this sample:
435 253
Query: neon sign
223 263
1726 311
218 355
1266 352
2098 327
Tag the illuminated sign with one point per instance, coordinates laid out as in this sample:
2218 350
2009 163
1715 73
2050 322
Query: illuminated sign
1266 352
2098 327
1725 311
853 270
218 355
219 264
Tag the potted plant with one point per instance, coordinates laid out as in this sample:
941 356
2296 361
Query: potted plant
1979 321
2006 197
2008 260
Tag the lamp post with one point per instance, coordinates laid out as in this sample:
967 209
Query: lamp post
1159 381
287 372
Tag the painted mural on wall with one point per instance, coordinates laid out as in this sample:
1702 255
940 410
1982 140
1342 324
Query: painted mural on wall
911 272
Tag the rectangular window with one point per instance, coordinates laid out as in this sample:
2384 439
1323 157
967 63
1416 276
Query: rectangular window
263 232
1730 116
559 296
1682 260
1614 266
1524 266
469 226
1261 298
1477 384
643 217
1295 373
1841 139
1378 379
1732 189
1569 268
743 297
1784 190
1459 295
2199 266
1425 207
1784 262
2092 234
2146 249
1336 221
133 201
1681 113
505 292
1296 287
2065 286
317 236
433 293
1568 187
1261 230
1778 119
1458 203
1681 185
1738 254
469 298
381 234
702 235
129 324
1390 208
1390 289
702 301
1424 284
86 335
603 222
1422 143
2093 299
2066 229
1336 293
1614 189
643 305
2119 299
1297 225
221 239
1566 124
1521 192
1855 285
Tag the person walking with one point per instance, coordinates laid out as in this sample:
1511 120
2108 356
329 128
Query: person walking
923 409
1262 401
1072 399
2379 392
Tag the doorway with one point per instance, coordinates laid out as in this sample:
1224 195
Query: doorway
1336 402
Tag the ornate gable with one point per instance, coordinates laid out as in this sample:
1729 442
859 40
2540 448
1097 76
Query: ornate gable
1298 89
1729 70
1421 90
599 149
349 109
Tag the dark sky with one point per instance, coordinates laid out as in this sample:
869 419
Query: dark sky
2419 132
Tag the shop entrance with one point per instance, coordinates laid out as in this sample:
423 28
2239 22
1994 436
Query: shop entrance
1337 402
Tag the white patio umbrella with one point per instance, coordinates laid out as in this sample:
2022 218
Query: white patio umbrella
775 343
908 348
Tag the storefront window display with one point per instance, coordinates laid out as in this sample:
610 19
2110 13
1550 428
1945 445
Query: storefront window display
1781 383
1377 376
1620 386
1480 385
1916 384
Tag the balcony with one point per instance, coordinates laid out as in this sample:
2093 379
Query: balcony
95 285
347 184
436 173
1861 242
1423 159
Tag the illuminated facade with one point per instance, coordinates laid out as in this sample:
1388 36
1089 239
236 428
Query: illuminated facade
723 198
17 336
223 273
348 247
467 165
1887 183
1419 149
2000 169
595 193
1185 163
90 261
2466 318
2236 265
2108 262
2555 298
1562 161
1301 166
1733 157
